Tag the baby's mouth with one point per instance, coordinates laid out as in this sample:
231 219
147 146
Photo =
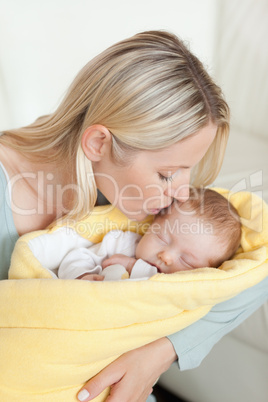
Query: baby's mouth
156 266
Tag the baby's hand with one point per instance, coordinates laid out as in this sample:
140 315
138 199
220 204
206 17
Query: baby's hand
127 262
91 277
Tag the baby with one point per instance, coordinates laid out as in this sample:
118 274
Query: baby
204 231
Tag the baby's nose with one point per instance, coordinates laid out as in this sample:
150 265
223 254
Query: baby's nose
165 257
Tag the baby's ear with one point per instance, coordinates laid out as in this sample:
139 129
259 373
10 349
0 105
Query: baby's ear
96 140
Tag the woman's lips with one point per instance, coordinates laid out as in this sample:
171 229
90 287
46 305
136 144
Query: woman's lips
155 211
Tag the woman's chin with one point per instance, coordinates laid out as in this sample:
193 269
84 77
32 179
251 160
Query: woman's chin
137 216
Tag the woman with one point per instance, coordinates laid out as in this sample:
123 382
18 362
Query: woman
139 123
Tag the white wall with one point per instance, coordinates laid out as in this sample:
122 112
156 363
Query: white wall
43 44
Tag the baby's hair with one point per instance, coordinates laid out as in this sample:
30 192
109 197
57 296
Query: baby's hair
149 91
217 210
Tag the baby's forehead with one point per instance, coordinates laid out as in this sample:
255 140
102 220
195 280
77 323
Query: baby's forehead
180 220
178 210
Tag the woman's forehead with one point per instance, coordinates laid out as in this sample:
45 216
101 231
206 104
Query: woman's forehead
184 153
169 158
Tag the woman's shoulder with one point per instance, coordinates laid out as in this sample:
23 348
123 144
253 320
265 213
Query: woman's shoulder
8 232
3 184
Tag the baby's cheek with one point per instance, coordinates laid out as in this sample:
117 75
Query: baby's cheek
150 247
142 247
139 250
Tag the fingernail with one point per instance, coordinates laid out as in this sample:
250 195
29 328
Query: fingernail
83 395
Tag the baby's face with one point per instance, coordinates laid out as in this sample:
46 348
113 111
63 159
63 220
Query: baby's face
179 241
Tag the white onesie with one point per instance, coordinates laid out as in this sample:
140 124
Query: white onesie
84 260
67 255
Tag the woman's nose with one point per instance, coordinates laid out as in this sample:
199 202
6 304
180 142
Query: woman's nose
165 257
179 189
180 193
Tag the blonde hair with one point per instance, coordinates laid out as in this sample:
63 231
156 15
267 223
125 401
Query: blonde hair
217 210
149 91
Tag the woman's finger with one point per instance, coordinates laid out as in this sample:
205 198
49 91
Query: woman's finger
108 376
127 391
133 374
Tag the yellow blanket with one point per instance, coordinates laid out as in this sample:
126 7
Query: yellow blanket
56 334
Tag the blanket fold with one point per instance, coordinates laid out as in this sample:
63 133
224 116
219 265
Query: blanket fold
56 334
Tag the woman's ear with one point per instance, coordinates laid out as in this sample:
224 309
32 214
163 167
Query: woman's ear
96 140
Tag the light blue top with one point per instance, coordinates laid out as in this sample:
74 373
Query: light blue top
194 343
8 232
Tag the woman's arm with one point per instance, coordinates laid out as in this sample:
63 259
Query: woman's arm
132 376
193 344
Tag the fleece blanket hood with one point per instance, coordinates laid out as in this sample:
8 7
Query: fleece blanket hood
56 334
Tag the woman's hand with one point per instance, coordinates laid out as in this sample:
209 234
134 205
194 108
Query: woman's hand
132 376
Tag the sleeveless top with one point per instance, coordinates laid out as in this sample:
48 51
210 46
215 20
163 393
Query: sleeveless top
8 232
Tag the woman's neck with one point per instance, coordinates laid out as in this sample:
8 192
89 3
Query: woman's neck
40 192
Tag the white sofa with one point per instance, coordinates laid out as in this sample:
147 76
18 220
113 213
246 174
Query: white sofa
237 367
